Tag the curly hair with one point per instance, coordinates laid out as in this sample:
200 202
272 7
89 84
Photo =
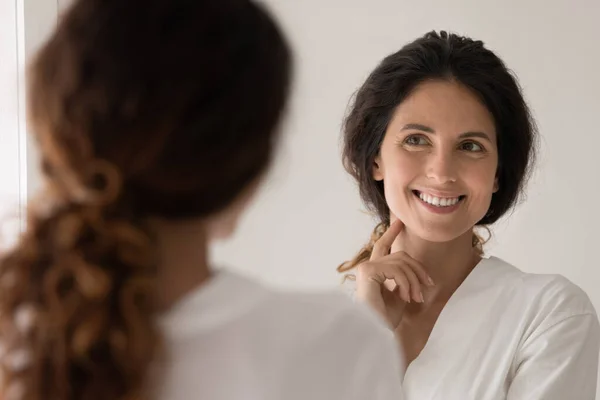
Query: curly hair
439 56
165 108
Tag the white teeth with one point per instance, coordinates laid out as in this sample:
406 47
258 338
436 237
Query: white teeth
439 201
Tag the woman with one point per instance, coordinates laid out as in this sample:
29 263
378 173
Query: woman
156 120
441 142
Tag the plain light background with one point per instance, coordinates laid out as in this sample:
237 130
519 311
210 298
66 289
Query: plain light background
12 192
308 217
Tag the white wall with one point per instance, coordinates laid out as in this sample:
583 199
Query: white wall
40 18
12 192
24 25
308 218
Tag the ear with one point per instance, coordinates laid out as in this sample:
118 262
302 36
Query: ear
496 186
377 169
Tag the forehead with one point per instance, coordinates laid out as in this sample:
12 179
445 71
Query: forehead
446 106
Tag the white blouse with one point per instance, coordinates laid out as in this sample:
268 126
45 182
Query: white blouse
506 334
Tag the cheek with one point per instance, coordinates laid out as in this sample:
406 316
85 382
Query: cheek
400 171
482 181
485 180
400 168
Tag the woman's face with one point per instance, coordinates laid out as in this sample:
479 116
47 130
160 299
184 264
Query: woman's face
438 161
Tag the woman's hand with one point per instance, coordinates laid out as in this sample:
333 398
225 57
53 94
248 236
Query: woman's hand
387 282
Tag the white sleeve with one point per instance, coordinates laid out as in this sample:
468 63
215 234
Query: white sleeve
560 362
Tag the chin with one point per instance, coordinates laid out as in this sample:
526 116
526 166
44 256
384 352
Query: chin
437 230
431 234
441 229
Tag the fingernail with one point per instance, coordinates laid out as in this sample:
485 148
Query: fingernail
431 282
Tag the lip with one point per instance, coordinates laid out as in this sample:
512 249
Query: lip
439 210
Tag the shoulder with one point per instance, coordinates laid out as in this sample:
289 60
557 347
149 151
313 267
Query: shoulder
344 349
547 288
289 338
340 346
303 316
550 295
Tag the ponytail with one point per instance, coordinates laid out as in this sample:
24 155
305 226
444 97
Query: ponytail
77 299
365 253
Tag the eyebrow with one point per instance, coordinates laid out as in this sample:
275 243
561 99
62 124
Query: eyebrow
424 128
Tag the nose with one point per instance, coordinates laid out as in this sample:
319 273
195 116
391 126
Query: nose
441 167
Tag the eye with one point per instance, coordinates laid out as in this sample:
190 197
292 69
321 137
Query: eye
471 147
415 140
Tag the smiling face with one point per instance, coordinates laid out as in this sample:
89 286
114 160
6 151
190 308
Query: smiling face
438 161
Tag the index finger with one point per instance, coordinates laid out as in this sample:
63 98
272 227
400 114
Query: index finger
384 244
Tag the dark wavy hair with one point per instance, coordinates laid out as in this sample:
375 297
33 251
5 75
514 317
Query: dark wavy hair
165 108
439 56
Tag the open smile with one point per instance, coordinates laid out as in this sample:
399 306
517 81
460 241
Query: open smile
439 204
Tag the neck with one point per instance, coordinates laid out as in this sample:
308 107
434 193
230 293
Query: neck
448 263
183 261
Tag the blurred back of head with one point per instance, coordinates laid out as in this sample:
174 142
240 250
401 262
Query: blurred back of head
155 108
